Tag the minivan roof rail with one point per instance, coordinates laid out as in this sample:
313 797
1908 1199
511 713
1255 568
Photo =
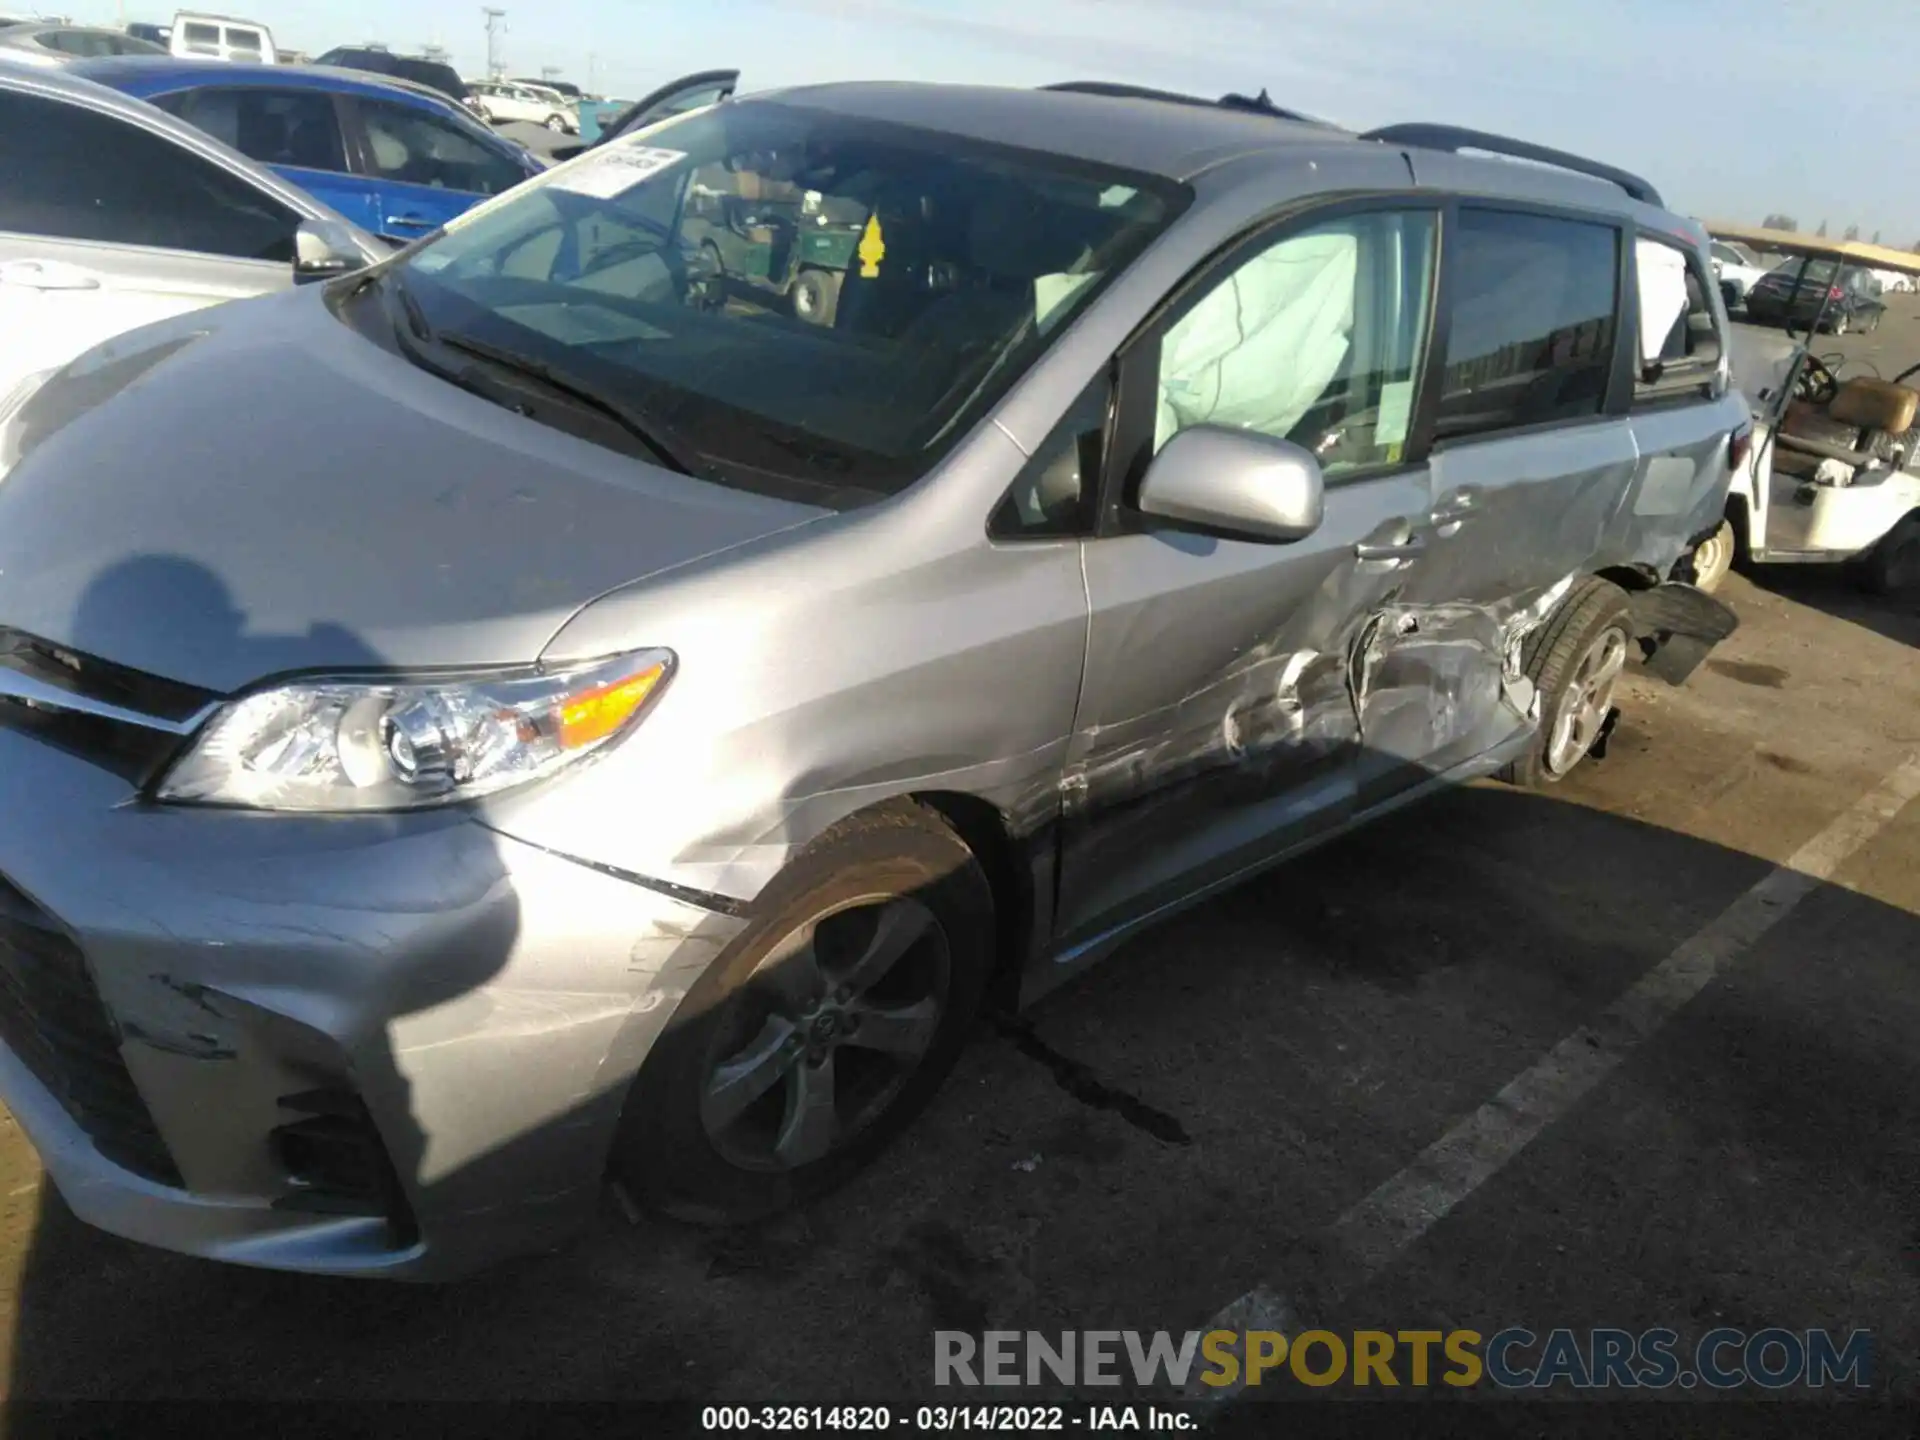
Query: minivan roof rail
1261 104
1454 138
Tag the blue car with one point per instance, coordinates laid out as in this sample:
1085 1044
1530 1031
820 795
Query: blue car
394 157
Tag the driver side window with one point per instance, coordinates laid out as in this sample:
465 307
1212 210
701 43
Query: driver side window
1318 338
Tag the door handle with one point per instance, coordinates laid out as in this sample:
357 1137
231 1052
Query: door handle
1407 549
409 222
40 275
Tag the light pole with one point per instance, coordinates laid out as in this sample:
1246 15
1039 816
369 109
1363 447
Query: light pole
494 17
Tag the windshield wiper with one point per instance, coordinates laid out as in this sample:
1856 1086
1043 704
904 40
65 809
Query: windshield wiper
416 317
640 427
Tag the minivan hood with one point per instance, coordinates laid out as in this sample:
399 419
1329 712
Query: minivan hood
259 489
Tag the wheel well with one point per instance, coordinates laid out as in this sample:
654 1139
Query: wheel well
984 830
1740 516
1629 577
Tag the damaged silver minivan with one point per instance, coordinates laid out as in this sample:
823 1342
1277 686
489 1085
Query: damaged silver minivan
545 707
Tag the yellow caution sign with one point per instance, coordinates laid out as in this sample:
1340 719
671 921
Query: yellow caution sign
873 248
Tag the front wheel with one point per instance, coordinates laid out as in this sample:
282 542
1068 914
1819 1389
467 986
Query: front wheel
1574 661
557 124
821 1031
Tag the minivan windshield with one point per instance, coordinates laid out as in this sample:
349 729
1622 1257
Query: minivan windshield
796 295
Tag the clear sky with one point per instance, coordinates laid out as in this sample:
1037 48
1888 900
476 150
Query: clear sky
1734 108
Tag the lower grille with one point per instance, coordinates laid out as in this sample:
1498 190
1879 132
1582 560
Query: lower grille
334 1157
53 1019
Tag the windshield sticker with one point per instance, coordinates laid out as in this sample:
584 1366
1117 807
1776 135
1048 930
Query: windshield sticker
873 248
605 174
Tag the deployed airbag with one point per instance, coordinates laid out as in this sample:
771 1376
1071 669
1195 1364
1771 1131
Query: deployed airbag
1262 347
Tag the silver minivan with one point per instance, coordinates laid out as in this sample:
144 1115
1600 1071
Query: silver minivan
538 708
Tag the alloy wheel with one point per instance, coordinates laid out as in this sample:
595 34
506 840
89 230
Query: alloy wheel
1586 701
826 1034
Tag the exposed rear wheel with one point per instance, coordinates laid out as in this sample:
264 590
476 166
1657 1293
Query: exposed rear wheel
822 1031
1714 558
1574 661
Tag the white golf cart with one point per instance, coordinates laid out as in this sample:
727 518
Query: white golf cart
1833 472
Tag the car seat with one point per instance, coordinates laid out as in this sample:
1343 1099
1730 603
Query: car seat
1866 425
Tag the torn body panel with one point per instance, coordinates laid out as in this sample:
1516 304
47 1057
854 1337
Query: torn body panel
1218 717
1678 625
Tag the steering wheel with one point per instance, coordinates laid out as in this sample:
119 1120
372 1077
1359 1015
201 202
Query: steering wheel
1817 383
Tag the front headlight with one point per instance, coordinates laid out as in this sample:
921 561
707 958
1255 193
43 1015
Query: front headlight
400 744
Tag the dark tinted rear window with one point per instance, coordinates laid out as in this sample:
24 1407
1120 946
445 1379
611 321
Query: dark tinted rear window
1532 330
77 174
433 75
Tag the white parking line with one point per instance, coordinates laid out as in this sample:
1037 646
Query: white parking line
1376 1231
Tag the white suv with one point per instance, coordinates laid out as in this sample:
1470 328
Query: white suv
498 100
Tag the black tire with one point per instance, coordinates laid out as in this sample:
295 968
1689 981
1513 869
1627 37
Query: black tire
1894 564
557 123
816 296
1552 658
900 855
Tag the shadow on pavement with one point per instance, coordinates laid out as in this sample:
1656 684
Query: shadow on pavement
1832 590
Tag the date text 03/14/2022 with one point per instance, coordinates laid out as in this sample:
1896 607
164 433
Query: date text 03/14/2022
941 1419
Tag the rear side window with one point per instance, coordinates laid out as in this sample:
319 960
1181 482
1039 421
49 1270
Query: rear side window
421 148
1680 342
1532 329
76 174
243 42
275 127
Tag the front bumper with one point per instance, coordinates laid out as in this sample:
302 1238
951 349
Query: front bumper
390 1045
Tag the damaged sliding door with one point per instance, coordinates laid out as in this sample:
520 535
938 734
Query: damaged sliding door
1219 722
1528 468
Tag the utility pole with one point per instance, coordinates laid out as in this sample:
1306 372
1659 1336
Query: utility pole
494 28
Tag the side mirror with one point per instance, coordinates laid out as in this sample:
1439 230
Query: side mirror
323 249
1237 483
